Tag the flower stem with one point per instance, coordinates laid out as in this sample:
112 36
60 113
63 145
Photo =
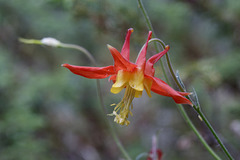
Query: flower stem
149 25
115 137
93 61
111 128
182 110
81 49
196 108
189 122
214 133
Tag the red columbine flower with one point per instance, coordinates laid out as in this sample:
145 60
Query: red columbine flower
135 77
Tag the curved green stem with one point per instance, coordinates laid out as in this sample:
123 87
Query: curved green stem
81 49
149 25
196 108
140 156
169 63
115 137
182 110
189 122
214 133
93 61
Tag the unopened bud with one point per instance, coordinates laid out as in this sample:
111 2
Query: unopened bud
51 42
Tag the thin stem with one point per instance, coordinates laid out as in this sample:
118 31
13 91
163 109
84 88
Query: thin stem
91 58
189 122
196 108
81 49
182 110
30 41
168 62
115 137
140 156
111 128
149 25
214 134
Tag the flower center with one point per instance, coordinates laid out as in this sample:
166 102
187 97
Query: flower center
122 109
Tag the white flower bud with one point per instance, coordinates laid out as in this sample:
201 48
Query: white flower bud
51 42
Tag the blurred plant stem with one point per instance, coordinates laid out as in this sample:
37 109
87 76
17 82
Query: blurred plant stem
55 43
189 122
182 110
196 107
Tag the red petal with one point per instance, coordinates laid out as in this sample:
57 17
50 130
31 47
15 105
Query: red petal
126 46
119 61
149 70
181 93
162 88
141 60
113 78
159 153
91 72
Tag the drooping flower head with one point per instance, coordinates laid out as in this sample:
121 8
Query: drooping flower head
133 77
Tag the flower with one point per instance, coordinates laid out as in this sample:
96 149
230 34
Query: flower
135 77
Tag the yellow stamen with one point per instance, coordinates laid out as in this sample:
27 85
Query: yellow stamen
135 83
124 107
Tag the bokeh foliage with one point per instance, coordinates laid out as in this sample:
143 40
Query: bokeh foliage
46 112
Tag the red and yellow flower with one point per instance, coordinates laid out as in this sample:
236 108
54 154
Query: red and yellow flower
134 77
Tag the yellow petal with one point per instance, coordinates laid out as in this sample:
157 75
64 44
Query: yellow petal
147 86
138 94
136 81
122 78
116 90
121 81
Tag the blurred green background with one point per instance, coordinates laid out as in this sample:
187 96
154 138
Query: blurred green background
48 113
